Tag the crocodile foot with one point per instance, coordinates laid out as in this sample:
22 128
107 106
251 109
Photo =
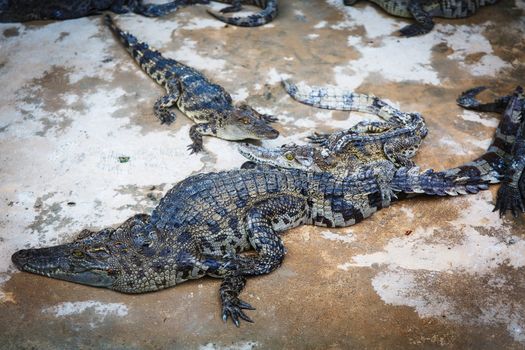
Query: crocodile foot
509 198
413 30
166 116
232 307
269 118
234 8
195 148
467 99
318 138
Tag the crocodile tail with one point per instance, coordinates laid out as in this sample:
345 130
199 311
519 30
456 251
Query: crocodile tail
430 182
492 165
151 61
268 13
345 100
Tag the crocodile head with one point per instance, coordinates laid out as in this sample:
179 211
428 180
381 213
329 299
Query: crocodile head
243 122
293 156
129 259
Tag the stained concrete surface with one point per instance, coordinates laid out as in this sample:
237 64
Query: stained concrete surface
427 272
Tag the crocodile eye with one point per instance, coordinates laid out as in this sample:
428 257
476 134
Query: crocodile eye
99 250
245 121
289 156
77 253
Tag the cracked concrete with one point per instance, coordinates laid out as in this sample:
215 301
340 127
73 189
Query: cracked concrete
426 272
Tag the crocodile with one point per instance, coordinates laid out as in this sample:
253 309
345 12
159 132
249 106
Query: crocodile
206 103
511 194
266 15
396 138
204 223
504 157
422 11
30 10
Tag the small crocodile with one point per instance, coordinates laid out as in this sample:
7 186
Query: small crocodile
356 156
30 10
396 138
207 104
511 194
268 13
422 11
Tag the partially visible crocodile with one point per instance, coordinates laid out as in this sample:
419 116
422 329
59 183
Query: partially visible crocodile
511 194
422 11
396 138
266 15
30 10
505 156
207 104
204 222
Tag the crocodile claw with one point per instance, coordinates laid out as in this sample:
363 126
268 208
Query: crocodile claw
467 99
413 30
233 308
509 198
166 117
194 148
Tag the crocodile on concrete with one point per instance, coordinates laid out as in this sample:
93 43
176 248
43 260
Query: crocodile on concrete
511 143
205 222
396 138
30 10
422 11
266 15
504 157
206 103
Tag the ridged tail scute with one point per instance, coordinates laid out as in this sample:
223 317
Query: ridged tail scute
268 13
430 182
345 100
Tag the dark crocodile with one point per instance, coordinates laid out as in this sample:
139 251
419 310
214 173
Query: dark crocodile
30 10
511 143
422 11
207 104
266 15
204 223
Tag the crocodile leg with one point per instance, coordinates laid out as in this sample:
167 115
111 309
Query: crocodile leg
511 194
196 133
424 20
157 10
468 100
232 306
401 150
163 104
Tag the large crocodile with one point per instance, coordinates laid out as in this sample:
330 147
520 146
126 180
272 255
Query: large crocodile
267 14
207 104
422 11
30 10
511 194
204 222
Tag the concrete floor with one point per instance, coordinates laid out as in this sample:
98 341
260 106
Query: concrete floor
427 272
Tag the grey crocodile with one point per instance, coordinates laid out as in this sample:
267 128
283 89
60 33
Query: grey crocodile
31 10
396 138
207 104
422 11
204 223
510 142
266 15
